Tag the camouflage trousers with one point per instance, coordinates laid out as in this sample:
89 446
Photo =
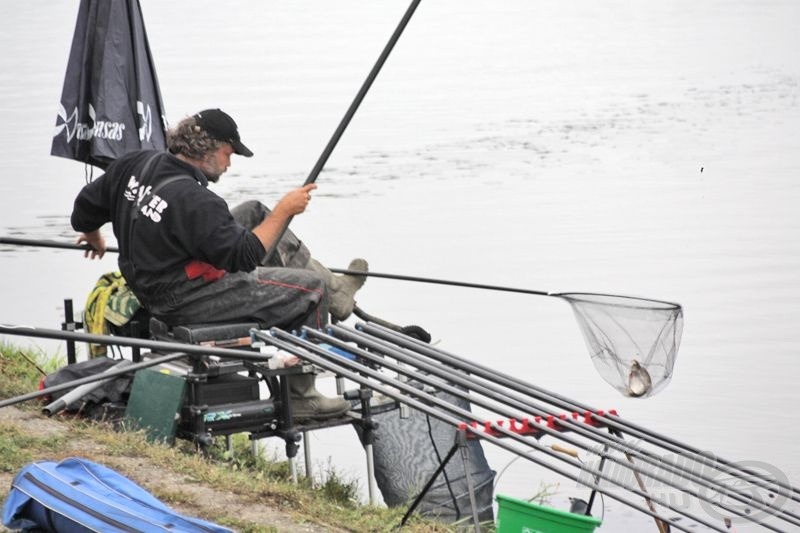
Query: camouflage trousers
284 293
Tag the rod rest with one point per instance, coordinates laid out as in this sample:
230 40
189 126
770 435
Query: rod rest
533 427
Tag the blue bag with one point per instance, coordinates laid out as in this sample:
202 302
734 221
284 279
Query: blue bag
77 495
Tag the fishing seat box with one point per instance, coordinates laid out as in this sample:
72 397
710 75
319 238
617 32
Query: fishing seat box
220 380
192 387
227 388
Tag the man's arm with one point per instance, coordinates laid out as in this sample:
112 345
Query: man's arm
90 210
294 203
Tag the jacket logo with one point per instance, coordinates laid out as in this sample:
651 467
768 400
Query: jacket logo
134 192
154 208
150 205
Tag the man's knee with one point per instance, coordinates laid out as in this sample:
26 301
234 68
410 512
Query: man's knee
315 282
250 213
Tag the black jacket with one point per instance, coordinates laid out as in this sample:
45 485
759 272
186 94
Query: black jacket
182 231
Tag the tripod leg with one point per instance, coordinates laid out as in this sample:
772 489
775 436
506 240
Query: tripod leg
461 442
428 485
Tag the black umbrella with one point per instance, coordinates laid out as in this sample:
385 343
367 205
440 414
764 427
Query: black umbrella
111 103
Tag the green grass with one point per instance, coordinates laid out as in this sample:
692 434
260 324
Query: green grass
338 489
17 448
21 369
14 449
260 480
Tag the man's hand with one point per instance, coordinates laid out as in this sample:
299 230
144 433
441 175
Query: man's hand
296 200
294 203
96 241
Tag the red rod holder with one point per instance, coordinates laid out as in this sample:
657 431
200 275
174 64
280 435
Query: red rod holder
529 428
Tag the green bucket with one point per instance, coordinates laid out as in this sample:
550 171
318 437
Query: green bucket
517 516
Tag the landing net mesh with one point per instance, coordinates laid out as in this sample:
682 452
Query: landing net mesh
633 342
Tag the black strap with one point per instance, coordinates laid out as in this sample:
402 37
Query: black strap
146 198
137 204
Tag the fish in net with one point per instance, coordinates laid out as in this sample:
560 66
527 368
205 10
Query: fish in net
633 342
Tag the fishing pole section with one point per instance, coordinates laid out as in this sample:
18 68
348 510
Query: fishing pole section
598 449
633 342
351 110
519 414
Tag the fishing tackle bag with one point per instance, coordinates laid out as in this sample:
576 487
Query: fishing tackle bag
77 495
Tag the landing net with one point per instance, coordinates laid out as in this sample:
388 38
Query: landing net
633 342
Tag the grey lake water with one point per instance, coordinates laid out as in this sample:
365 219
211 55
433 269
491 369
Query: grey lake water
627 147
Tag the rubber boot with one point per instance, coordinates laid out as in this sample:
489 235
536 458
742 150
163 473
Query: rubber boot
308 402
341 288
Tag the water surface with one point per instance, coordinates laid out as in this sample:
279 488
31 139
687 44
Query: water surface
623 147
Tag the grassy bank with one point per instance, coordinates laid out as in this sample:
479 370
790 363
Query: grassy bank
231 488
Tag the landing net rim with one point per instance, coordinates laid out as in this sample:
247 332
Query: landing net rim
652 304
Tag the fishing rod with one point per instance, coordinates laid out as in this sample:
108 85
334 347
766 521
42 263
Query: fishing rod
570 404
413 330
491 390
77 393
454 283
358 373
351 111
103 376
292 344
107 339
418 279
718 488
400 277
236 354
372 351
51 244
526 388
518 385
179 349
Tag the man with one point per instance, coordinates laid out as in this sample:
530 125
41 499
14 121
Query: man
187 258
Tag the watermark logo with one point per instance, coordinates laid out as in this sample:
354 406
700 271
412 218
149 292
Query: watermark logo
748 489
728 492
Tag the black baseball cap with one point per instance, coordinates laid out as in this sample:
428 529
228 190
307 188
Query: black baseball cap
220 126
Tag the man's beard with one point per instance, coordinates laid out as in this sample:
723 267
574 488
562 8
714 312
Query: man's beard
211 169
